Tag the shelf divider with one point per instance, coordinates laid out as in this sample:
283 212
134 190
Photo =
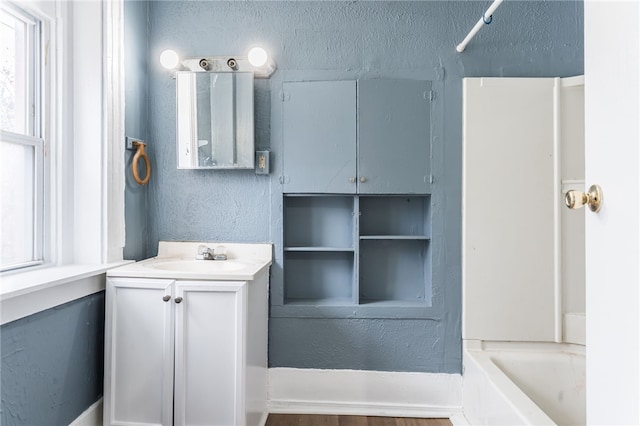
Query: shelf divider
318 249
394 237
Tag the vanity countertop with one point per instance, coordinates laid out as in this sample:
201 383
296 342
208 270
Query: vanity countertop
176 260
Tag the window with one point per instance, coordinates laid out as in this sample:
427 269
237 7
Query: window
21 139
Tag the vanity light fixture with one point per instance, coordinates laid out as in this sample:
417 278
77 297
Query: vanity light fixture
257 61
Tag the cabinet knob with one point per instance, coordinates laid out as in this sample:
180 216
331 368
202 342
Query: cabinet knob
178 299
166 298
363 179
352 180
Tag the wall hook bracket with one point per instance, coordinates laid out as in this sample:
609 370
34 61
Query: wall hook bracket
138 146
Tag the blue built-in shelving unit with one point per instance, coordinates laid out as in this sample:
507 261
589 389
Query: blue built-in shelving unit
356 200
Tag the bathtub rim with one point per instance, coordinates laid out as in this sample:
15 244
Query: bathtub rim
477 357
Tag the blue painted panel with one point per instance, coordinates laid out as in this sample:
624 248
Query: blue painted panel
360 344
319 131
394 136
53 363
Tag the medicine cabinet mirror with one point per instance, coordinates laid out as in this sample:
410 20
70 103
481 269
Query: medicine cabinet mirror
215 120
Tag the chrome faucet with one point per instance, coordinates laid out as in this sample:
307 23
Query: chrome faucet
205 253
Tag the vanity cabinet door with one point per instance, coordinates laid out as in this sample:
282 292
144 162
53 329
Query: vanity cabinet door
138 352
394 136
320 137
210 347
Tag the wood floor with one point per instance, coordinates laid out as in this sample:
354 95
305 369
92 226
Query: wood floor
309 420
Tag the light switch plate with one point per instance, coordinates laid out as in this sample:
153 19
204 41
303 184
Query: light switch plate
262 162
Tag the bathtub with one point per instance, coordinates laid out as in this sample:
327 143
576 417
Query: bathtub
509 383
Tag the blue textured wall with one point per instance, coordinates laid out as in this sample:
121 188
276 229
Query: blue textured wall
52 363
348 40
136 16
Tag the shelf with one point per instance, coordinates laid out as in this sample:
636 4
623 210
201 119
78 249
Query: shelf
395 303
362 256
318 249
319 221
320 302
395 215
395 271
334 309
319 276
395 237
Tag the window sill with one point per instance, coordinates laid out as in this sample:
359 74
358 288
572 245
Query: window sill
25 293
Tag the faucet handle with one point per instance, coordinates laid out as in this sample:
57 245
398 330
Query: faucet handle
204 253
220 253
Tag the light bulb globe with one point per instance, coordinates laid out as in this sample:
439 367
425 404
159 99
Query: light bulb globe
169 59
257 57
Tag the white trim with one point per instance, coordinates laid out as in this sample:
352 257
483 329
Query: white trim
575 329
263 418
92 416
373 393
98 127
113 92
26 293
577 80
557 213
459 420
88 130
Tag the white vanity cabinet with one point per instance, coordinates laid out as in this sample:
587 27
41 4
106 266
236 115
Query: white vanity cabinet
184 351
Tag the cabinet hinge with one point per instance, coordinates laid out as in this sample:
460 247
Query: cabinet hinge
284 97
430 95
429 178
281 179
284 179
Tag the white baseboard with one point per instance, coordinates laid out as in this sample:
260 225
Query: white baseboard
372 393
459 420
351 392
92 416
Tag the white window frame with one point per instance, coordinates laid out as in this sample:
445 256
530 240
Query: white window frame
83 154
34 136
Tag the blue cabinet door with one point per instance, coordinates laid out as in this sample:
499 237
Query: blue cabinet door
320 137
394 136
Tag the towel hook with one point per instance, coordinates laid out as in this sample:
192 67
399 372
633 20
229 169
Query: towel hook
140 152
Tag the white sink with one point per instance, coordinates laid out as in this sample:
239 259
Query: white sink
197 266
176 260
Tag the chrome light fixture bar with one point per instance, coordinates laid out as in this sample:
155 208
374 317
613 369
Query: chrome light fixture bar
257 62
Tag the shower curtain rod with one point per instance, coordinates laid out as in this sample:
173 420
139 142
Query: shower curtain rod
486 18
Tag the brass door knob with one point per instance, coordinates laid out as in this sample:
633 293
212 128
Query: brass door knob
576 199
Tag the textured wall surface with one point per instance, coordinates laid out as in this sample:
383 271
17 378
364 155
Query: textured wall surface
52 363
136 15
345 40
